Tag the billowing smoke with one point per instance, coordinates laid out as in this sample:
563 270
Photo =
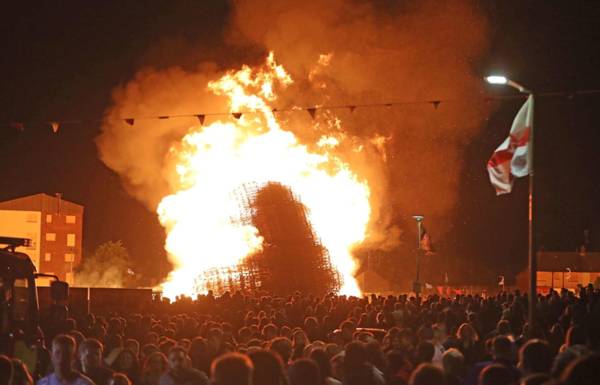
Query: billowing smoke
338 52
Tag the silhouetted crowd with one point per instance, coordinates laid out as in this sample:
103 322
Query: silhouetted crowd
300 339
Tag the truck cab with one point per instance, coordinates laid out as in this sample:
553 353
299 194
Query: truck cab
19 308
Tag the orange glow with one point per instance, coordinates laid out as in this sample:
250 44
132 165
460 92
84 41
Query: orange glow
202 218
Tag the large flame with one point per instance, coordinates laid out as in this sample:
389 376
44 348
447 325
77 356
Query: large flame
202 218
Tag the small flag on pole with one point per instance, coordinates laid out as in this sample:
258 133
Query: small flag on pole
426 244
510 158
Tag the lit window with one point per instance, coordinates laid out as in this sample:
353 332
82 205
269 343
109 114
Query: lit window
48 218
71 240
69 257
51 236
70 219
47 257
69 278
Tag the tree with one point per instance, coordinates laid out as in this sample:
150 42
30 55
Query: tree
108 266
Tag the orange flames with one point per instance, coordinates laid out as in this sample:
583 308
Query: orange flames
202 218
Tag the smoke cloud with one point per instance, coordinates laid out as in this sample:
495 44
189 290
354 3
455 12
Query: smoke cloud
338 52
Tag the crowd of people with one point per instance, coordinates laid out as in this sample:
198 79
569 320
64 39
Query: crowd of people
260 339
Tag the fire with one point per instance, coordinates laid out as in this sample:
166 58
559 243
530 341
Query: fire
202 218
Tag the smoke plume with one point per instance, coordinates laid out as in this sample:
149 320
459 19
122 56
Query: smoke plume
338 52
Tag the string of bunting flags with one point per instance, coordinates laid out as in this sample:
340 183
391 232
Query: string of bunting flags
312 111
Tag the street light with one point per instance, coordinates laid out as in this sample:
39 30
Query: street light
417 284
503 80
499 79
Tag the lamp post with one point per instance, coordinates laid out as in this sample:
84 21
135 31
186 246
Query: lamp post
497 79
417 283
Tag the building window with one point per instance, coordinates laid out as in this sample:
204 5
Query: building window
69 278
71 240
47 257
48 218
69 257
70 219
51 236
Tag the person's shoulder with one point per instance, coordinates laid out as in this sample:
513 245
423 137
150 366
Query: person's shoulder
196 373
82 379
45 380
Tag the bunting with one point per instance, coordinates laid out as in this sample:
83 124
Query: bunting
312 111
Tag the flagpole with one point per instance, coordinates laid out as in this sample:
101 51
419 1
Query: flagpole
531 237
417 284
531 252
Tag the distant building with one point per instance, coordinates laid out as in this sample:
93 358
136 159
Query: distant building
55 227
561 269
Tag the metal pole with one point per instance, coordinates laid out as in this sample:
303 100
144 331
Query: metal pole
417 284
531 236
418 251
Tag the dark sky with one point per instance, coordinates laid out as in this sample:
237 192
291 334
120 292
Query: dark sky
61 61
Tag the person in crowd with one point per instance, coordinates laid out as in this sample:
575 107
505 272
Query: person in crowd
496 374
268 368
299 343
535 356
119 379
427 374
399 368
155 365
63 357
127 363
90 360
584 370
304 371
6 370
21 375
232 369
467 341
535 379
282 346
502 353
320 357
180 371
453 363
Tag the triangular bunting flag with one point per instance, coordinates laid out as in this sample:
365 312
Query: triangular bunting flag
129 121
55 126
312 112
388 105
237 115
201 118
164 117
435 103
352 108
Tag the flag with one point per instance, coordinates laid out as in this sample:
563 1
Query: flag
510 158
426 244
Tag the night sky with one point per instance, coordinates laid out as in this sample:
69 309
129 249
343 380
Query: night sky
62 60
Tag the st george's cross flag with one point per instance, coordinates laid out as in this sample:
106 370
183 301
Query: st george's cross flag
510 160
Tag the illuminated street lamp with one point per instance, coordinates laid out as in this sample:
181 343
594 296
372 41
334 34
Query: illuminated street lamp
503 80
499 79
